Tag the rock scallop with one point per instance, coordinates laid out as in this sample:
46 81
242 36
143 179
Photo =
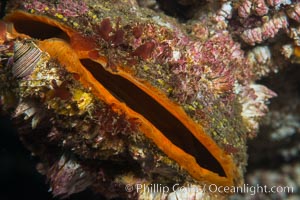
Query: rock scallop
124 99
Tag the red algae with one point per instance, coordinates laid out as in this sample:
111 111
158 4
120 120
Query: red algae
105 29
145 50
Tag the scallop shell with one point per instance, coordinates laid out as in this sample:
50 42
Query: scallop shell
134 98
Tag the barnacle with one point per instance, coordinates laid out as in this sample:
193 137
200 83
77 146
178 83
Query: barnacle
266 31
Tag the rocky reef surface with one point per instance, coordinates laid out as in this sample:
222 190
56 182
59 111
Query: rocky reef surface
225 74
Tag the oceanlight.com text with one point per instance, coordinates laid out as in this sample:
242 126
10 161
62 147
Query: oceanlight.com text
210 188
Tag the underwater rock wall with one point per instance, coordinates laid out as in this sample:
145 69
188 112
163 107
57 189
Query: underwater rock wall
115 93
